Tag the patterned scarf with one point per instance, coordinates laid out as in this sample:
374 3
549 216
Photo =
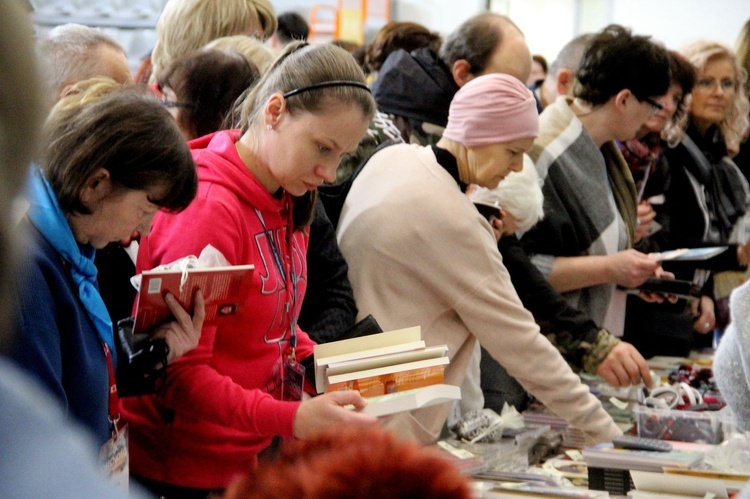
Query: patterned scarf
641 155
727 191
623 187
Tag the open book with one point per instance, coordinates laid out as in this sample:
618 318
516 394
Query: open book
225 290
394 370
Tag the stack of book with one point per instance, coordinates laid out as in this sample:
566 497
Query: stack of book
605 455
395 371
700 483
609 468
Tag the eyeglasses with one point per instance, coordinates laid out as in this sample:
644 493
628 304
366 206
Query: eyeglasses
709 85
172 103
655 106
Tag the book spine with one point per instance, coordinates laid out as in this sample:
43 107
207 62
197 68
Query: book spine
374 386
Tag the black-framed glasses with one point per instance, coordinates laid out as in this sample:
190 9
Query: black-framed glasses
655 106
172 103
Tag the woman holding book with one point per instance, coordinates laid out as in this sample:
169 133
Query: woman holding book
243 385
110 159
712 194
706 197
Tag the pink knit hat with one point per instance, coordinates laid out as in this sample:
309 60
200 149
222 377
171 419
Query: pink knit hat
492 109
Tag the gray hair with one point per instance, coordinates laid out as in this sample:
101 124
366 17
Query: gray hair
570 55
519 194
66 55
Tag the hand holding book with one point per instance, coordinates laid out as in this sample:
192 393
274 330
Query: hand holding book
329 412
224 289
183 333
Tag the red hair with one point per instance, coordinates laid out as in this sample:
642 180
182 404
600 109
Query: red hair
354 463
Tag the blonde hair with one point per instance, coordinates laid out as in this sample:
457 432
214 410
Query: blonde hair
187 25
300 66
85 92
249 47
736 123
742 48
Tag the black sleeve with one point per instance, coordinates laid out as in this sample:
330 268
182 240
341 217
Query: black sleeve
328 309
115 268
551 311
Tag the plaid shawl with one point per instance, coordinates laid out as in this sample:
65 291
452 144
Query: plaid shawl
583 186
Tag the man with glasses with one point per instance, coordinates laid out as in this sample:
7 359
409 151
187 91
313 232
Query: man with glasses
584 243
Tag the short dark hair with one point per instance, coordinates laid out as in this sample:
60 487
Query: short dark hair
399 35
541 60
208 82
475 41
292 27
683 73
129 134
616 60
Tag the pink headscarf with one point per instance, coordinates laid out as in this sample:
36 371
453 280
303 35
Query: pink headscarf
492 109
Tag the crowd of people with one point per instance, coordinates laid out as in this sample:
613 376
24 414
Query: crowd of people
346 176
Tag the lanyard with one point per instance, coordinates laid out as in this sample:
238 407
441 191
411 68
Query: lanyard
113 406
289 275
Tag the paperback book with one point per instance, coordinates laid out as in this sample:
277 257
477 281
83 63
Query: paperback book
225 291
395 370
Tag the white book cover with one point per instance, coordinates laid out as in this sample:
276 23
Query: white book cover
688 486
604 455
689 254
347 366
411 399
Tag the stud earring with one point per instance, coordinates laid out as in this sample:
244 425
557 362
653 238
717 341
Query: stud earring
269 126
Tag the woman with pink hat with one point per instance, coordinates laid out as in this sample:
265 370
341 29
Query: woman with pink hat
420 253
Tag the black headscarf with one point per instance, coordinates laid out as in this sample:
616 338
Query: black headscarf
416 85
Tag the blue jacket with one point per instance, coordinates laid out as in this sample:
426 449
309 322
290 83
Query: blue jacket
55 339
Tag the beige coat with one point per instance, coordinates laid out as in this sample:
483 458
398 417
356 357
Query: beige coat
419 253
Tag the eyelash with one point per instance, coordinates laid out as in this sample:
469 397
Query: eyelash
324 149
